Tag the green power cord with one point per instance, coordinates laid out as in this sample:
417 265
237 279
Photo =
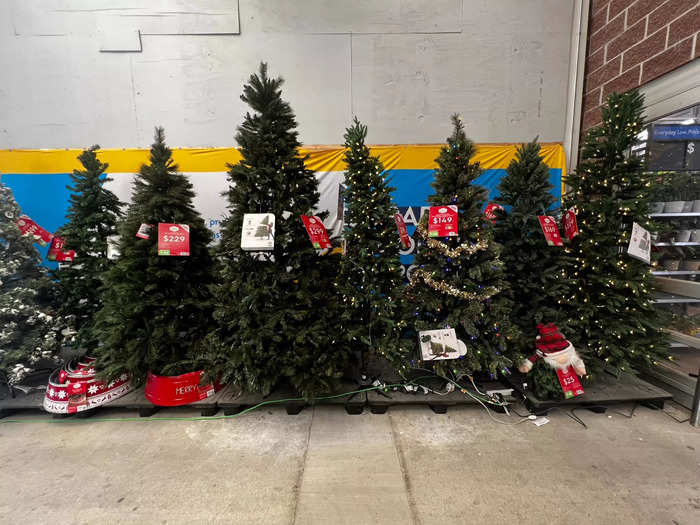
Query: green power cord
241 413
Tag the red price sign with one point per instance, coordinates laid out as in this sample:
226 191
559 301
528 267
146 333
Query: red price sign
173 239
31 229
569 382
550 230
55 248
403 233
443 221
317 232
489 211
570 224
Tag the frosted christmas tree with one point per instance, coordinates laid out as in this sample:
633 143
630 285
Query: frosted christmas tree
27 321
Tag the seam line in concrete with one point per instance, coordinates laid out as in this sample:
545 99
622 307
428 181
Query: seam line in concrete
300 477
404 473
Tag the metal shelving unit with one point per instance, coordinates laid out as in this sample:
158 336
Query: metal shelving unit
675 243
680 214
676 272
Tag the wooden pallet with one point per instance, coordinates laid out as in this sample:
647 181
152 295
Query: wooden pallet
605 390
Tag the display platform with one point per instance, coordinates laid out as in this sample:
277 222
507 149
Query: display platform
605 390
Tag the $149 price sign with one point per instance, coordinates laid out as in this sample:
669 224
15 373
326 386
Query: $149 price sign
443 221
173 239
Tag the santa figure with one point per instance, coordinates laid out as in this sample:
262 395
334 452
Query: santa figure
556 351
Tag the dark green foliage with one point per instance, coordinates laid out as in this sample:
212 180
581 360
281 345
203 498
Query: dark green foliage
370 273
92 218
482 322
536 271
277 311
610 190
157 309
28 328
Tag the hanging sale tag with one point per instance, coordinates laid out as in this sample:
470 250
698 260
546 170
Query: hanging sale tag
29 228
144 231
640 244
173 239
570 224
403 232
317 232
550 230
443 221
490 210
569 382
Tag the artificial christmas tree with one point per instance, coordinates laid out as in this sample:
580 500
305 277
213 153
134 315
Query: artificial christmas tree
277 310
92 218
536 272
28 327
459 282
370 273
610 191
157 308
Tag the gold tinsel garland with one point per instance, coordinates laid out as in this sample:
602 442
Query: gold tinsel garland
434 244
446 288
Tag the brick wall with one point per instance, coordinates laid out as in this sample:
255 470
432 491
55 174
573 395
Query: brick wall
631 42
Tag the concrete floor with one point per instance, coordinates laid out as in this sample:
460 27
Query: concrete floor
325 467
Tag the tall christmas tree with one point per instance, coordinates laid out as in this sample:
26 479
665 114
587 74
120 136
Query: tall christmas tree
611 191
92 218
537 272
370 273
157 309
459 282
28 327
277 310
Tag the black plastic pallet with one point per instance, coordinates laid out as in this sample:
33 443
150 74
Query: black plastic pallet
233 400
607 389
379 401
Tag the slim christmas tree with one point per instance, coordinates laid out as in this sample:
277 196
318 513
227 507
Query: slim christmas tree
277 311
537 272
28 327
459 282
610 191
92 218
157 309
370 273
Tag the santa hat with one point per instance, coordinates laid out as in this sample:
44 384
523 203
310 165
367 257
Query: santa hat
550 339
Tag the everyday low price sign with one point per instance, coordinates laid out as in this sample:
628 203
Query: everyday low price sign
550 230
173 239
403 232
490 211
443 221
31 229
317 232
570 224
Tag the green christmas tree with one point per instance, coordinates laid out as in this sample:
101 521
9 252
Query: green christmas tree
370 273
92 218
277 310
610 190
157 309
537 272
460 281
28 329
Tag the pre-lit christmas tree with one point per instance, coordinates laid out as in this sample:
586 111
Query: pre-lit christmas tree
459 282
610 191
277 312
92 218
28 327
538 280
157 309
370 273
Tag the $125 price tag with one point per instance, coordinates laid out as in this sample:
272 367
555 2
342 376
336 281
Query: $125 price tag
173 239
